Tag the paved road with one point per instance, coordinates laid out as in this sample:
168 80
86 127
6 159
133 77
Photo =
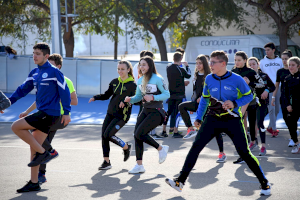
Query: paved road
74 174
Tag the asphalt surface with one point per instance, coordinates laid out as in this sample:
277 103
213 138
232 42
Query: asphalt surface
74 174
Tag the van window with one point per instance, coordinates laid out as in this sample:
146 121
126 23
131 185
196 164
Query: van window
294 49
259 53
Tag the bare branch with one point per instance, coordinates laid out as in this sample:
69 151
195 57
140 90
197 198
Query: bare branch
293 20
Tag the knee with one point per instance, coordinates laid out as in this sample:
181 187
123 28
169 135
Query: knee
105 136
181 107
14 127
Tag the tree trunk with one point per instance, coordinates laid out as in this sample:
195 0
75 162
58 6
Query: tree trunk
116 31
161 45
283 36
68 38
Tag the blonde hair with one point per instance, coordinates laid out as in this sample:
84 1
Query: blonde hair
294 59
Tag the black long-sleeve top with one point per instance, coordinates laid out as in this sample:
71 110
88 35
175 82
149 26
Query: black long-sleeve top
292 91
264 83
176 77
198 86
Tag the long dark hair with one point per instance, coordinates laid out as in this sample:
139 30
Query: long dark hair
206 67
129 66
288 53
243 55
8 49
148 75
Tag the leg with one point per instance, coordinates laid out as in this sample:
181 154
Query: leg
236 132
177 115
220 142
262 112
20 128
252 121
271 108
40 138
47 146
184 107
105 138
205 134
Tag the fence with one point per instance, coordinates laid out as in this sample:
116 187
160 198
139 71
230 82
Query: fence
89 76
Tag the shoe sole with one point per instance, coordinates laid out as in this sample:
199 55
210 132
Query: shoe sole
137 172
166 180
192 136
105 168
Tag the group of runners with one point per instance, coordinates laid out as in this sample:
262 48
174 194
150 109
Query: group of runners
222 100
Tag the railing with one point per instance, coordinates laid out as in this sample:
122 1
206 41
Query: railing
89 76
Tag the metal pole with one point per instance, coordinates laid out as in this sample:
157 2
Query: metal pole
55 26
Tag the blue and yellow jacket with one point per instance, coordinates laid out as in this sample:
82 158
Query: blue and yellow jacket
51 88
217 90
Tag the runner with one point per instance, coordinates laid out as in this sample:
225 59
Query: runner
118 112
152 90
224 92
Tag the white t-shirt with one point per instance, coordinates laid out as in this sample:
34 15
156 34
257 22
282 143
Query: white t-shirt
271 66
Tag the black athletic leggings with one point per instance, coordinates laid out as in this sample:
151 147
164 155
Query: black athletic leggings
186 106
251 110
148 119
172 111
110 127
261 112
234 128
292 123
47 143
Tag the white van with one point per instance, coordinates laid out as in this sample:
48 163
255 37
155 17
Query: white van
253 45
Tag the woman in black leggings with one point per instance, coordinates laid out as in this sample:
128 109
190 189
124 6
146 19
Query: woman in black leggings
201 71
262 90
118 112
152 91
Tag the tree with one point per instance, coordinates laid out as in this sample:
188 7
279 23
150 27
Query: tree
156 16
93 16
286 15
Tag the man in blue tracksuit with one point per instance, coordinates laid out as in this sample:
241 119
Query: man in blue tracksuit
51 88
224 94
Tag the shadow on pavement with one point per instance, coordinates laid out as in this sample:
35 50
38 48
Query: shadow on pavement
31 195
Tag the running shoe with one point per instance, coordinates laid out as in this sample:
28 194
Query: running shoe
54 154
163 153
157 137
296 148
239 161
291 143
222 158
42 177
263 151
265 190
274 134
175 184
126 152
164 134
172 132
29 187
190 134
270 130
105 165
137 169
39 159
252 146
177 135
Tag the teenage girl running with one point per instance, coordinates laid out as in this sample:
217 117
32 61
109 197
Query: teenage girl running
118 112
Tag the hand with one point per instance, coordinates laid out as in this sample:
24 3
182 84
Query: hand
186 83
191 112
121 105
289 108
185 63
91 99
23 114
127 99
227 105
197 124
1 111
265 95
247 80
198 100
66 119
273 102
148 98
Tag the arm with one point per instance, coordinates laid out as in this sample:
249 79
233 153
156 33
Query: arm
270 85
107 94
186 72
204 102
64 92
165 94
245 93
29 110
137 97
74 99
4 102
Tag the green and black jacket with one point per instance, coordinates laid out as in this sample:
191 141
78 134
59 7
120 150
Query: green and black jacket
119 89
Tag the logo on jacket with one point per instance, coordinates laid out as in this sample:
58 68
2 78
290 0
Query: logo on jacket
214 89
45 75
272 64
117 127
227 88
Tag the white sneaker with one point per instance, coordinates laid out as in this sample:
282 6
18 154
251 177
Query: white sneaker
137 169
175 184
163 153
266 191
291 143
296 148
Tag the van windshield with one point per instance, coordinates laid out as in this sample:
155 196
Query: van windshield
295 50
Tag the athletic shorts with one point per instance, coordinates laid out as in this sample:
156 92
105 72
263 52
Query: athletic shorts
41 121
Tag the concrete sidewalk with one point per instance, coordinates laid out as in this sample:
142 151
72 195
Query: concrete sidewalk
74 174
